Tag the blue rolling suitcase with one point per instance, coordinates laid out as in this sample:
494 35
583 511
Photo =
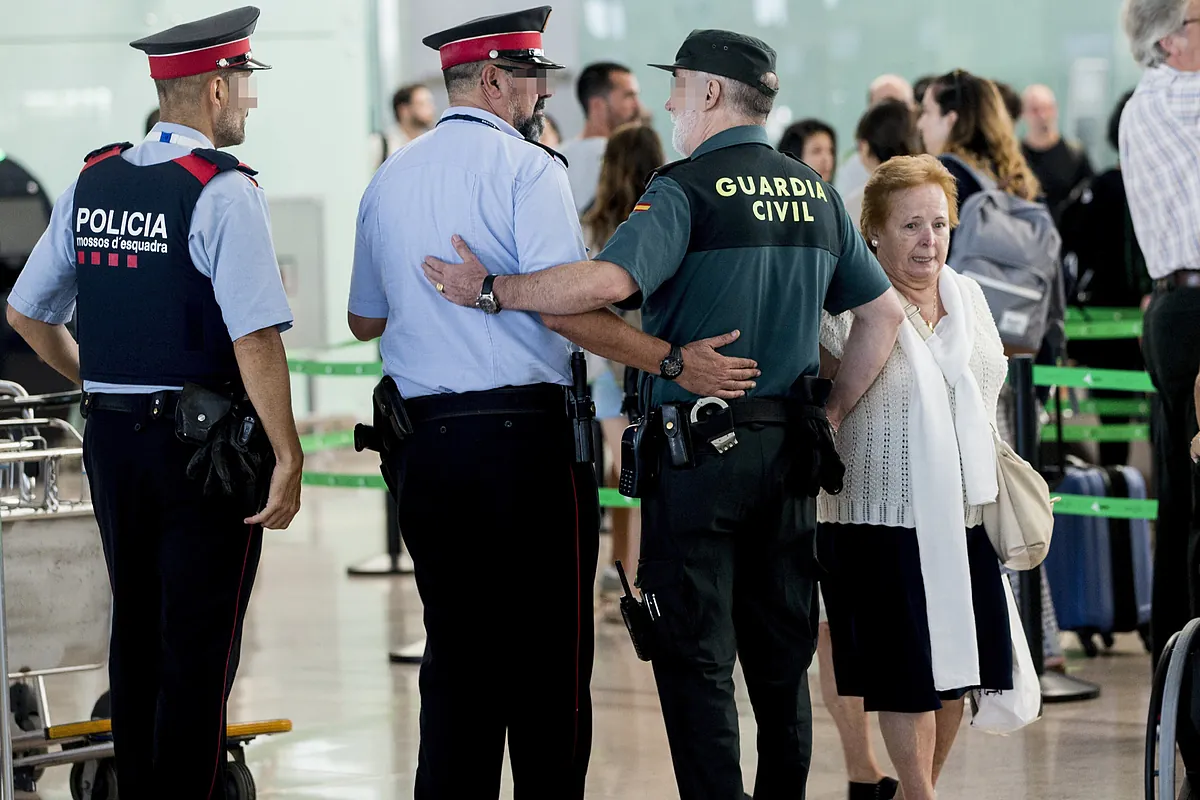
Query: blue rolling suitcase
1099 569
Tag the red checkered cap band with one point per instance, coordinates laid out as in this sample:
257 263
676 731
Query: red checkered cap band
196 62
484 48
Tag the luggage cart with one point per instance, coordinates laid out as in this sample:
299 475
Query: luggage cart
56 607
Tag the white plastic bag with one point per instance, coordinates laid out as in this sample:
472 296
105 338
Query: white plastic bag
1005 712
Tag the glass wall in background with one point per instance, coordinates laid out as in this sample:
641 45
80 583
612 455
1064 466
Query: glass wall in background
830 50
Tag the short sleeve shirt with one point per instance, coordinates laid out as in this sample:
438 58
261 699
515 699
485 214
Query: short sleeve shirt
740 237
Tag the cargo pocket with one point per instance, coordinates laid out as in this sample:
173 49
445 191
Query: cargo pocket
672 603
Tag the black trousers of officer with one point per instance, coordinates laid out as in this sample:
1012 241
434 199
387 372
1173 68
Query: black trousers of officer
503 529
181 567
727 553
1171 345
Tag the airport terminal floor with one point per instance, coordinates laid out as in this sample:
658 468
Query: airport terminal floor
315 651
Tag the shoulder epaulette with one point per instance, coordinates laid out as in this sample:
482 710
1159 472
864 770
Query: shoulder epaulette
205 164
108 151
664 169
553 153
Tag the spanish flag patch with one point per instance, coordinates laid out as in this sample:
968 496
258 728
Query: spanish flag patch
641 207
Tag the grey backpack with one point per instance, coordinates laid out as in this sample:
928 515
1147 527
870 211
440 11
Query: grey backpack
1011 247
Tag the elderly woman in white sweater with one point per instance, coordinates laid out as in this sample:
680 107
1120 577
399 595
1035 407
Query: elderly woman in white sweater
917 611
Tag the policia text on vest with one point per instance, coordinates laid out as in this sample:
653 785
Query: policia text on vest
144 225
768 207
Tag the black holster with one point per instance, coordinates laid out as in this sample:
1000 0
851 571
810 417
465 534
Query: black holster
816 464
581 410
234 457
390 427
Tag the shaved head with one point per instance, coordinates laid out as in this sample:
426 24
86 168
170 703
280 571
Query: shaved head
889 87
1039 108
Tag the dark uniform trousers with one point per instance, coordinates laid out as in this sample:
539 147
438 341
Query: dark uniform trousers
727 553
181 567
503 529
1171 345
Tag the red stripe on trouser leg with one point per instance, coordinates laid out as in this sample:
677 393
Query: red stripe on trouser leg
237 607
578 618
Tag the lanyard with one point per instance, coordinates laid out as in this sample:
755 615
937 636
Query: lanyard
176 138
469 118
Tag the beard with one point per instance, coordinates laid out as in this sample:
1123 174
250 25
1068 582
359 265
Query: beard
530 127
230 128
684 126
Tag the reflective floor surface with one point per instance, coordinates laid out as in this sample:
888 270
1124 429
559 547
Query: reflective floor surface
315 651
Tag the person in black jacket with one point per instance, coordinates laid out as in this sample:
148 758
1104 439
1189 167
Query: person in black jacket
1101 250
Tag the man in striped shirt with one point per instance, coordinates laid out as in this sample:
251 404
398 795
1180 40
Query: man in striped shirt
1160 162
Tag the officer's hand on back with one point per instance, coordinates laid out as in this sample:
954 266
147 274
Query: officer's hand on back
709 374
283 499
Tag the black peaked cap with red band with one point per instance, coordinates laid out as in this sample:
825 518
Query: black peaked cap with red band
516 37
193 48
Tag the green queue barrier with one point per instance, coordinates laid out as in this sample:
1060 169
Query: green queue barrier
1101 323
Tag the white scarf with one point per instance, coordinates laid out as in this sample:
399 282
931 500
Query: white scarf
942 459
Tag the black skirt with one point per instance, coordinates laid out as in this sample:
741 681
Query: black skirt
875 598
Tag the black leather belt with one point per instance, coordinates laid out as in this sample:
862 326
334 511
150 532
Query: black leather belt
759 410
541 398
154 405
1179 279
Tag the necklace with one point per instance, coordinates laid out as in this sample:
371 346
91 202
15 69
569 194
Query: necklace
937 307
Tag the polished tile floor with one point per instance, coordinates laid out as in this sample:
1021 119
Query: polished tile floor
315 651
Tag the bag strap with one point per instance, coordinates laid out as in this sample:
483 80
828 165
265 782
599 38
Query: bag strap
914 316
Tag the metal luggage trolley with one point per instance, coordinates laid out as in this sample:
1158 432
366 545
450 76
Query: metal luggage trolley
56 607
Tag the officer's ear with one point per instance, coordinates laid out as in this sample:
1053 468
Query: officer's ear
490 80
712 94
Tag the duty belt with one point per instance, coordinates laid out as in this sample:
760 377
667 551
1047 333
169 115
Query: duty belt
1179 279
154 404
542 398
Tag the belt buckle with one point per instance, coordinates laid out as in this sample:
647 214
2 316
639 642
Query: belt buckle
726 441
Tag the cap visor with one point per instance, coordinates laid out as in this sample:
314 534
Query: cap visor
667 67
533 61
253 63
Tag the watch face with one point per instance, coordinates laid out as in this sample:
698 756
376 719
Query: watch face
672 368
488 305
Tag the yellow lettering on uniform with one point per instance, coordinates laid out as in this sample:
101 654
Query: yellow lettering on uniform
758 204
781 187
746 185
798 189
726 187
781 209
821 193
796 210
811 191
764 187
807 217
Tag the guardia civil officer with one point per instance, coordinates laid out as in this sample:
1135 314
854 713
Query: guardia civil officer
490 452
734 236
163 253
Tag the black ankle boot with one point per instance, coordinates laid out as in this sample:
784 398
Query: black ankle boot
884 790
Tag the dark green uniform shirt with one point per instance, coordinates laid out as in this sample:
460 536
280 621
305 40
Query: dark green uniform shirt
741 237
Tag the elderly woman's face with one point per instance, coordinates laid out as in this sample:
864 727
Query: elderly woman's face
914 240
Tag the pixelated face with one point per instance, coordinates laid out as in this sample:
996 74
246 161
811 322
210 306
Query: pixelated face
529 89
242 95
686 104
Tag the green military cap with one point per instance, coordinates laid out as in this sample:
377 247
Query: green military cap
728 54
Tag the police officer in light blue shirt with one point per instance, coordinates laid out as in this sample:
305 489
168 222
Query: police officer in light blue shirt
162 253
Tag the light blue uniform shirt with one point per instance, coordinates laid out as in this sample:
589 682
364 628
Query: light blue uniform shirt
229 241
511 202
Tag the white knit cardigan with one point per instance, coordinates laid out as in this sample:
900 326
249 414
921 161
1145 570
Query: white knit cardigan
873 438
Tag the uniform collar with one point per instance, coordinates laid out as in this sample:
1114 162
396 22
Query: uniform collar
743 134
479 113
181 130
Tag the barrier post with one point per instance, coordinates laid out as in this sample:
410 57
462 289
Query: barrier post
1056 687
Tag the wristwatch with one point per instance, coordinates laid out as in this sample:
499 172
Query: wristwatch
671 367
487 302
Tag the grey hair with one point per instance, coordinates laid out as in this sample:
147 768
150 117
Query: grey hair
1146 22
744 99
462 79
